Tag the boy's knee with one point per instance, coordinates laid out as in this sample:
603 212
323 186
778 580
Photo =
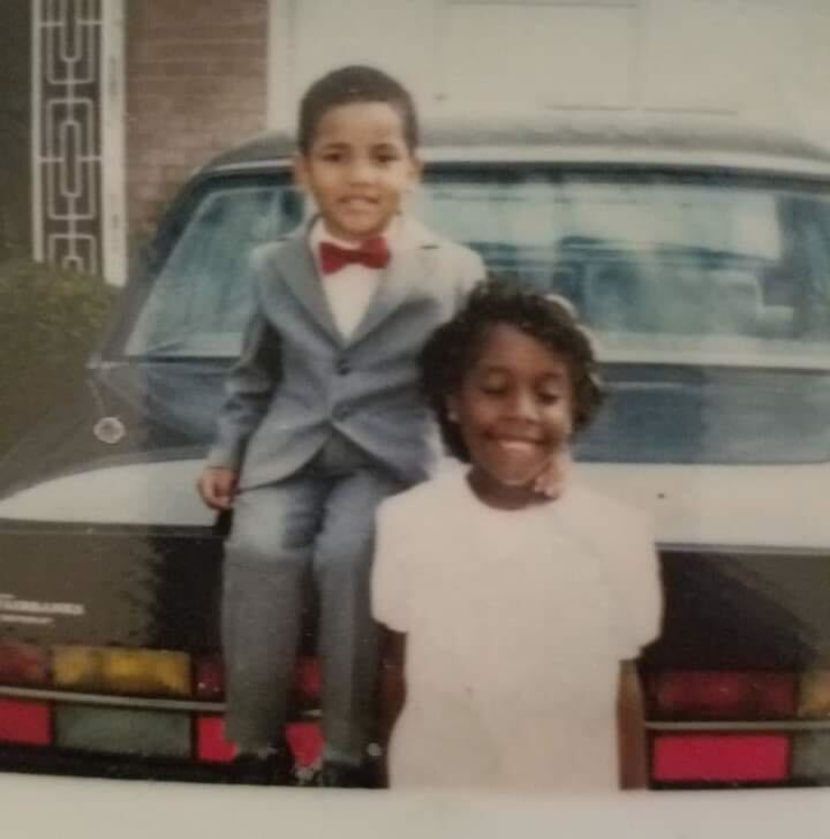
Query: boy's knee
349 553
260 550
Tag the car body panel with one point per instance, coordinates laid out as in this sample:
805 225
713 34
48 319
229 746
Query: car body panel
722 433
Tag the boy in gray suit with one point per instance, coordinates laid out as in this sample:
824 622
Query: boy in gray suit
323 420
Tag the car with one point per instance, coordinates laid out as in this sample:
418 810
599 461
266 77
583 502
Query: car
698 254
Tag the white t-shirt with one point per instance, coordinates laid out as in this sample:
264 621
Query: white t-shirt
516 622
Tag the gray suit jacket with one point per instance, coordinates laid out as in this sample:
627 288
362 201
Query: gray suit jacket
298 378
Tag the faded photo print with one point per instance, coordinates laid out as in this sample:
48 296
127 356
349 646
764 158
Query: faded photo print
417 394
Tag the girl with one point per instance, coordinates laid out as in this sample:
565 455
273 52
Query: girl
520 611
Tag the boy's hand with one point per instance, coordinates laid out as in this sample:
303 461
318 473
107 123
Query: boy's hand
552 479
217 486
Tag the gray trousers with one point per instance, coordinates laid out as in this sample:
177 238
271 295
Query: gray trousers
319 521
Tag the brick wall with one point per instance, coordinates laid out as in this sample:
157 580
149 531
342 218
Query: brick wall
196 76
15 128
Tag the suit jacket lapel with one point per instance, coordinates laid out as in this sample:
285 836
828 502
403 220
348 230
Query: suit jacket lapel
410 260
300 275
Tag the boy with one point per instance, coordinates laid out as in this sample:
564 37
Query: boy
322 418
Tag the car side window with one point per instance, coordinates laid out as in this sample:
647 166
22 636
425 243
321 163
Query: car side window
201 297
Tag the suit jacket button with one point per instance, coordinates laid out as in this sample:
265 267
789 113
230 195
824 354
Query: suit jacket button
342 412
343 367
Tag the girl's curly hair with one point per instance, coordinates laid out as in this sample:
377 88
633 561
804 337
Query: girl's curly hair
453 348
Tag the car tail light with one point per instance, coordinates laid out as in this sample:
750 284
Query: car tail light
210 677
709 694
305 739
811 757
211 744
23 664
720 758
814 696
306 742
25 722
307 680
123 731
153 672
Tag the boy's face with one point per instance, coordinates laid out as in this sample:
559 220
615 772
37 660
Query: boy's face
358 168
515 414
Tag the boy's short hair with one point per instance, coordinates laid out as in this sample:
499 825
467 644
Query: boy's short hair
452 349
355 83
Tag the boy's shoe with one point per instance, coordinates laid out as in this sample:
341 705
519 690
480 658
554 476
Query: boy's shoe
348 775
274 768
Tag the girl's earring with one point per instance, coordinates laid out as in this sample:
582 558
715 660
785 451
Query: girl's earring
452 415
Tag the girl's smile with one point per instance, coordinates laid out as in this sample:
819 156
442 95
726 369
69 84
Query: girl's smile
515 414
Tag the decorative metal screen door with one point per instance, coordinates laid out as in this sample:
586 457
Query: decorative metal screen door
77 113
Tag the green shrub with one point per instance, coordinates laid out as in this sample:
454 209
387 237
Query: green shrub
50 319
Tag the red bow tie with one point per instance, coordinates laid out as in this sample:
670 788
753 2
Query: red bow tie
373 253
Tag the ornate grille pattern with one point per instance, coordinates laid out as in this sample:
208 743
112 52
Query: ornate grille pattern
67 150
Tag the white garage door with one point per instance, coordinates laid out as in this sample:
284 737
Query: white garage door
760 58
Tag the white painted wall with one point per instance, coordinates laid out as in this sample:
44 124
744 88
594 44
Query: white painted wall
113 145
764 60
309 37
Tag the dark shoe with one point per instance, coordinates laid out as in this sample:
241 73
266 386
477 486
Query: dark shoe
275 768
348 775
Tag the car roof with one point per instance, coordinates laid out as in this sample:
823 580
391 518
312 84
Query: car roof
674 140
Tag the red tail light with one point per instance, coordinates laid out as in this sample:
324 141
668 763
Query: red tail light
704 694
307 679
306 742
23 664
211 744
210 677
25 722
720 758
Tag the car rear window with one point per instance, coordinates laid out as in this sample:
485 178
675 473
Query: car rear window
201 295
708 293
661 267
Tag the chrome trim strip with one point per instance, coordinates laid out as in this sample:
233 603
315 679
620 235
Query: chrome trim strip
741 725
121 701
687 160
112 700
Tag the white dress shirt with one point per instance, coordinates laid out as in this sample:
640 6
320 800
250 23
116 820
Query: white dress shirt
349 290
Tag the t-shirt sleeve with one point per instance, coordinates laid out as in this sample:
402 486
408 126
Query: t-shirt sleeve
637 588
390 571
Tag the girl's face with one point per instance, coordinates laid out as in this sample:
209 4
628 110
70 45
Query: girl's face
515 414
